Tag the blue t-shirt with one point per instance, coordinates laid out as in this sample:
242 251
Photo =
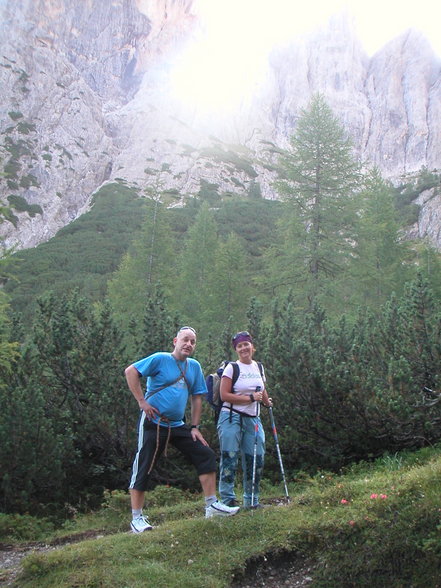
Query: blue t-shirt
161 368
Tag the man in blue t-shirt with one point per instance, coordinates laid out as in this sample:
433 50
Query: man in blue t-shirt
171 378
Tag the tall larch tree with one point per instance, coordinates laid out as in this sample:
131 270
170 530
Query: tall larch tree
195 267
148 261
230 288
319 177
381 255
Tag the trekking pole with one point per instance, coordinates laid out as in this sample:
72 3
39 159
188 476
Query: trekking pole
256 431
276 439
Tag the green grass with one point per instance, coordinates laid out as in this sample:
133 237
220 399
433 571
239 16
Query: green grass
373 525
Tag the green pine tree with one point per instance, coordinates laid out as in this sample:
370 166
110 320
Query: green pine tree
380 264
158 326
150 260
319 178
229 286
195 269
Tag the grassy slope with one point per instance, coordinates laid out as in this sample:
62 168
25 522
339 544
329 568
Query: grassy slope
376 525
85 253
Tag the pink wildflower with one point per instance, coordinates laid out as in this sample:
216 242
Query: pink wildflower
383 496
344 501
373 496
352 523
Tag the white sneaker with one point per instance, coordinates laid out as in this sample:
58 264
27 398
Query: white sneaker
219 509
140 524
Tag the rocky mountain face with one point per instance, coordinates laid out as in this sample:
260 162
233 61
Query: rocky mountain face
87 98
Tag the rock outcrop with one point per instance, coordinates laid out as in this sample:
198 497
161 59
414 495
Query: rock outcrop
86 98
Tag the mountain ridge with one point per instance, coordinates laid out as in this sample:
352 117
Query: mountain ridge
87 99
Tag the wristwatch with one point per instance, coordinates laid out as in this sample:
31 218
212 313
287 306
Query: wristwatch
195 427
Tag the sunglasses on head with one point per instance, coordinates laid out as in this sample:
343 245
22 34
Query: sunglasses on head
241 334
187 328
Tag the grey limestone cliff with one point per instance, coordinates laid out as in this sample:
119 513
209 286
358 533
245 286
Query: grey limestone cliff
86 98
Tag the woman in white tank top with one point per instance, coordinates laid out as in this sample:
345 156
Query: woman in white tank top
239 426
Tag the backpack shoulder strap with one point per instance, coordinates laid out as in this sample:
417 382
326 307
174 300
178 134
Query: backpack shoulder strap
236 371
181 375
150 394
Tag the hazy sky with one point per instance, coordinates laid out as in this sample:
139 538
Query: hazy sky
377 21
222 67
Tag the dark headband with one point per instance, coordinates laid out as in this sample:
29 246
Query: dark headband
239 337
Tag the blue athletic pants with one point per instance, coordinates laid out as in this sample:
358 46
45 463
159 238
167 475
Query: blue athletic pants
237 437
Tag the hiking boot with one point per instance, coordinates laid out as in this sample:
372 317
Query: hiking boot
218 509
254 507
231 502
140 524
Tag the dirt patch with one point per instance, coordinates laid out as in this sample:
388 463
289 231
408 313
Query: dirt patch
286 568
275 571
11 555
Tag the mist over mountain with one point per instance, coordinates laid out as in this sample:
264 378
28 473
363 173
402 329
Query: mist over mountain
87 97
